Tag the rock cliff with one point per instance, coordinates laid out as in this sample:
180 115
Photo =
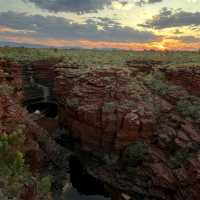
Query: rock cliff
147 148
190 79
138 134
37 149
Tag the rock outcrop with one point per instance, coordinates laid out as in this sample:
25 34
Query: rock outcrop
37 74
128 136
188 78
105 110
39 148
148 150
144 65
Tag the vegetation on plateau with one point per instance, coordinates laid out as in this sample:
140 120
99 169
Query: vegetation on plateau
100 58
186 104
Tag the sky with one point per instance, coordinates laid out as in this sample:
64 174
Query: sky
124 24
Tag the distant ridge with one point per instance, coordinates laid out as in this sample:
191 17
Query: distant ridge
26 45
15 44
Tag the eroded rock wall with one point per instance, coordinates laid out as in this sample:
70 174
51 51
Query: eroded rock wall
39 148
105 109
37 74
189 79
148 149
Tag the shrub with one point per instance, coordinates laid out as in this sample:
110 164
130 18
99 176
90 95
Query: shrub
189 108
135 153
73 103
45 185
109 106
13 171
6 89
155 81
179 159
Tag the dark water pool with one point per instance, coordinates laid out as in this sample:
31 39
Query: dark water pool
72 194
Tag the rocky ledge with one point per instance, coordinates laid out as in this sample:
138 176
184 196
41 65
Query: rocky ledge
189 79
143 146
132 129
27 148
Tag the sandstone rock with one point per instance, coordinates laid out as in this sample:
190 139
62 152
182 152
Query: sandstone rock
191 132
109 110
189 79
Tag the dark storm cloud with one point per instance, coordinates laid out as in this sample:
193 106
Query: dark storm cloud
70 5
143 2
60 28
167 18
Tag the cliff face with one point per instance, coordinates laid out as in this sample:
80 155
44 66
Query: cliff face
36 150
12 113
37 74
190 79
149 150
106 109
11 94
143 146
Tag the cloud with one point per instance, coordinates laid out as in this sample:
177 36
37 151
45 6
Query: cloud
168 18
4 29
177 32
187 39
78 6
143 2
60 28
82 6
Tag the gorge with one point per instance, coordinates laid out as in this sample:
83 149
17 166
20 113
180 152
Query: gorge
108 131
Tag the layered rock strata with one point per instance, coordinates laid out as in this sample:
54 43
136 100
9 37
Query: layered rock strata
147 149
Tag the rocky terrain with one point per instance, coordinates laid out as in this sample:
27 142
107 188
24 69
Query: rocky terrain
31 148
136 129
189 79
132 122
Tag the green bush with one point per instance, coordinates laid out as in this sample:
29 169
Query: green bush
179 159
13 170
45 185
189 108
135 153
109 106
6 89
73 103
155 81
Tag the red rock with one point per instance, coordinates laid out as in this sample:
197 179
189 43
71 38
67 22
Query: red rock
103 103
191 132
165 175
112 111
188 79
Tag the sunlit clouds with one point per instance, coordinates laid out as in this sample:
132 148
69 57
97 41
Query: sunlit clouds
124 24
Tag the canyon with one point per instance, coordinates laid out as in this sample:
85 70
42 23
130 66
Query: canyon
129 141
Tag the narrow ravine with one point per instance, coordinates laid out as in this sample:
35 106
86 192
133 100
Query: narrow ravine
70 181
44 89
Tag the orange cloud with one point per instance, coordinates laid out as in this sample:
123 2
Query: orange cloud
172 44
4 29
165 44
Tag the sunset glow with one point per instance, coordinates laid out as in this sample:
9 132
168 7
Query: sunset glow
124 24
